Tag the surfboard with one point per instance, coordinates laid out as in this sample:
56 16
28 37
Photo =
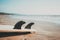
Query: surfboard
15 32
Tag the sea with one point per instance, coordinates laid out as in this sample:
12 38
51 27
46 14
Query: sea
48 18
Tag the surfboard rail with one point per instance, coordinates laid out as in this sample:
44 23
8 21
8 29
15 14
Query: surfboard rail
15 32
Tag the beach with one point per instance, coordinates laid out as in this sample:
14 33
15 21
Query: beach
44 30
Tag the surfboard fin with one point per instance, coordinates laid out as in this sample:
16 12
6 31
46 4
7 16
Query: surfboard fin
29 26
18 25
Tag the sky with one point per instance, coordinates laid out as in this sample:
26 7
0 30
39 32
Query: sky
31 7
